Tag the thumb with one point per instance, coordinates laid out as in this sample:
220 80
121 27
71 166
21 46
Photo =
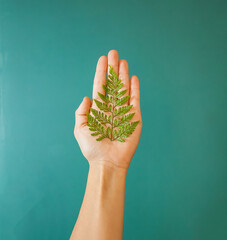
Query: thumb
81 112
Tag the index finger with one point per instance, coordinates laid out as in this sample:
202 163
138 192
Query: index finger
100 77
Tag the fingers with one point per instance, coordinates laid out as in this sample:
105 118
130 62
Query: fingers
100 77
81 112
113 60
124 76
135 94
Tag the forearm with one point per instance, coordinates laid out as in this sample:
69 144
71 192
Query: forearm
102 211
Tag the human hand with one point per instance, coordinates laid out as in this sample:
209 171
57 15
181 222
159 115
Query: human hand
107 152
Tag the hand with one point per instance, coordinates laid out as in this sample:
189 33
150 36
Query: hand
107 152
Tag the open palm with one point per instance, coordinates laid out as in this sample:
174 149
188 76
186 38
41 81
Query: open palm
112 153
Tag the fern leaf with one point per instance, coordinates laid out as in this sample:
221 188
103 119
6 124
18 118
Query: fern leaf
119 126
109 84
118 87
95 134
95 126
108 132
108 90
103 97
115 133
102 106
121 101
123 120
100 138
112 75
120 94
100 116
126 131
123 110
120 139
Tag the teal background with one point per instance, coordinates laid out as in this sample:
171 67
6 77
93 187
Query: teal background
176 185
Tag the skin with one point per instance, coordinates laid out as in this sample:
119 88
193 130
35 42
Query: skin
102 211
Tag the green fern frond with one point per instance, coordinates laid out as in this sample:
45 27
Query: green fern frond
123 120
116 124
106 99
103 106
108 90
126 131
121 101
95 126
120 94
122 110
101 117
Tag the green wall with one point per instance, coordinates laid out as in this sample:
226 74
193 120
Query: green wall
176 186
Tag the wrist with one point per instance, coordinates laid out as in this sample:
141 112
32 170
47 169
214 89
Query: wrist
106 171
106 165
